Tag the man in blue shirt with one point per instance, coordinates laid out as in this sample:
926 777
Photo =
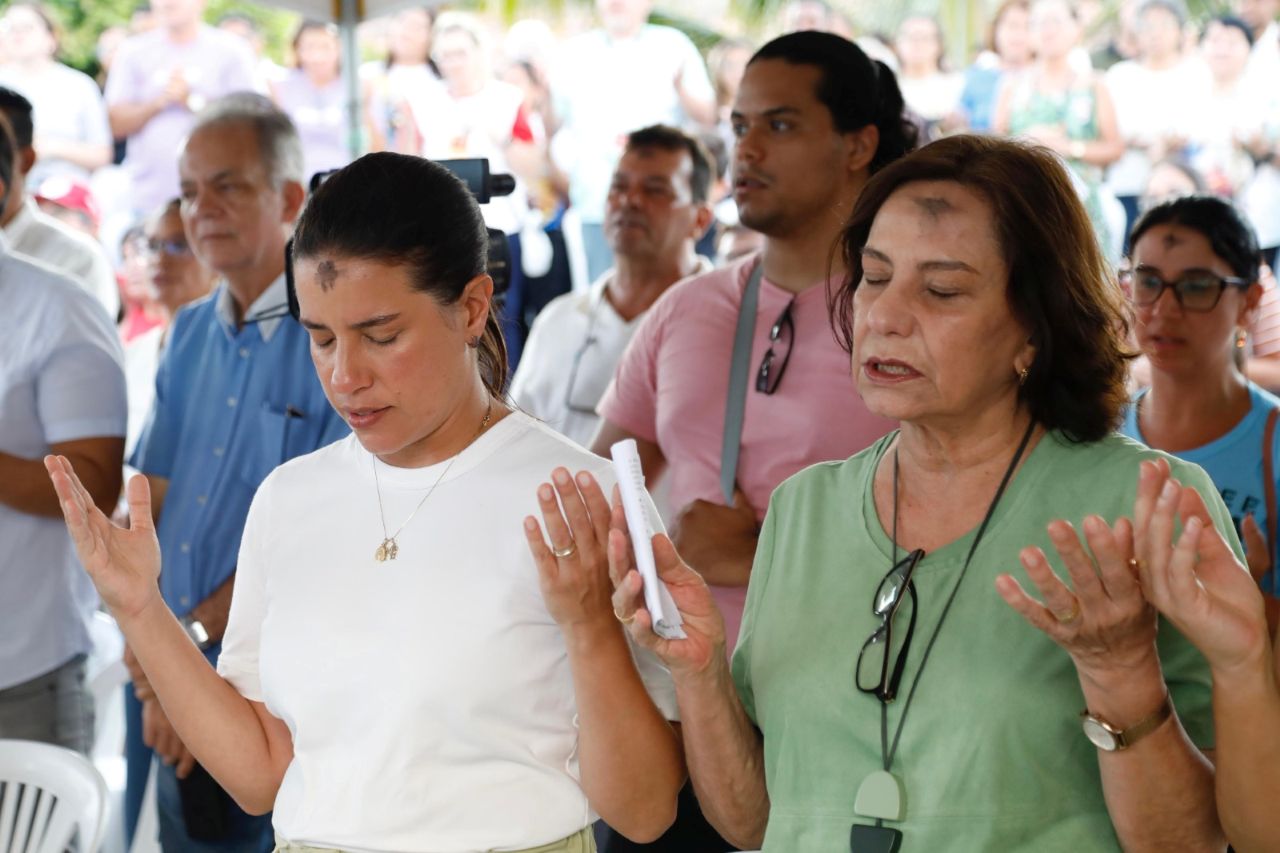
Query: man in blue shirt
236 395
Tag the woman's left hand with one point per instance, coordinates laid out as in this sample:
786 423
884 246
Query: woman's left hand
1102 620
573 567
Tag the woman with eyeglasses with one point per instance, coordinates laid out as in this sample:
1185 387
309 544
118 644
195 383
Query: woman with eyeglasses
1193 279
885 692
412 662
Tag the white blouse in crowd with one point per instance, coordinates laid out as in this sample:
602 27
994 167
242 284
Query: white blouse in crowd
429 698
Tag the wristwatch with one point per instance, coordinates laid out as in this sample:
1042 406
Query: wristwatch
196 631
1110 739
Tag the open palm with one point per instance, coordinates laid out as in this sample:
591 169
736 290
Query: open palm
1203 589
123 562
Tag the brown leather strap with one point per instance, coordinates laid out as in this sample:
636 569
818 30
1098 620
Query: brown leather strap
1269 477
1269 490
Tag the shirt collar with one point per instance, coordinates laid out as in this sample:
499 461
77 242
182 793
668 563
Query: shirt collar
272 301
22 220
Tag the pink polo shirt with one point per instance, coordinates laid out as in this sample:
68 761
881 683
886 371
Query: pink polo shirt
671 385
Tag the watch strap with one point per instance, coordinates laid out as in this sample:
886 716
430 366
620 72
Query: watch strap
1126 738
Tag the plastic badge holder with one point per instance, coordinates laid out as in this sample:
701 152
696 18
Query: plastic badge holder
657 598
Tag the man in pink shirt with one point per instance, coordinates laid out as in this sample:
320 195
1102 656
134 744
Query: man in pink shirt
814 117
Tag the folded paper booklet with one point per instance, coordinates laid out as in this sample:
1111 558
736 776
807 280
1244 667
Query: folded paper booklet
635 502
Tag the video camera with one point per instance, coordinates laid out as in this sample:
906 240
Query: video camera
483 186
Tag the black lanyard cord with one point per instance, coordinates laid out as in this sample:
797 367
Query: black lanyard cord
888 753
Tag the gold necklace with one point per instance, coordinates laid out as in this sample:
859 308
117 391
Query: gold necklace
388 550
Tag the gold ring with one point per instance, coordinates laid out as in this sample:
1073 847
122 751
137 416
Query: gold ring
625 621
1069 617
565 552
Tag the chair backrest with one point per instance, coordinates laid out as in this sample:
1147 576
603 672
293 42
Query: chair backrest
46 794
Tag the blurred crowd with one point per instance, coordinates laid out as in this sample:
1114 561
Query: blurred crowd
1142 101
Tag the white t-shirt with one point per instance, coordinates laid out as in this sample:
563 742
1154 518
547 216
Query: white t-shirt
429 698
78 256
933 97
604 88
569 357
60 380
67 106
141 361
1151 105
479 125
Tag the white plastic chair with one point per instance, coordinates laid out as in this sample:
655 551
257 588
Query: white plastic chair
48 793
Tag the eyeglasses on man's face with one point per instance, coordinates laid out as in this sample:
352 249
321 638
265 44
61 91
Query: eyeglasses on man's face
1195 290
873 674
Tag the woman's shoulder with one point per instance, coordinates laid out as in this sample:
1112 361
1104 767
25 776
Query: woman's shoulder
1113 459
824 478
534 442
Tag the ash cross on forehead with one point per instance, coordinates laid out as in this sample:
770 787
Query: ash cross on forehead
327 272
934 207
1171 239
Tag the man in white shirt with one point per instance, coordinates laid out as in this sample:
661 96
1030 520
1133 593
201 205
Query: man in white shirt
625 75
61 391
35 234
656 210
1260 15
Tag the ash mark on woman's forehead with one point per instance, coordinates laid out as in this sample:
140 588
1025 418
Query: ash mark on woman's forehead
327 272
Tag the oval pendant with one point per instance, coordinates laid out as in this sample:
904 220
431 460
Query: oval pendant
381 554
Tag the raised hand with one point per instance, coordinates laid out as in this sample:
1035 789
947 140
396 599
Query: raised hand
124 563
1102 620
1258 557
1199 584
704 643
572 567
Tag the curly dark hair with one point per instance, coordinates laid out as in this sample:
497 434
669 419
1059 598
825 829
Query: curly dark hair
1060 285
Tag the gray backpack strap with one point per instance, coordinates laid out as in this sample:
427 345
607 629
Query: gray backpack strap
736 401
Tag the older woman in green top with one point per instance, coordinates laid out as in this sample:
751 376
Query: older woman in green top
882 694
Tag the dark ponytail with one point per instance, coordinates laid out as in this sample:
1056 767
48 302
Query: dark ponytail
404 210
492 353
899 135
857 90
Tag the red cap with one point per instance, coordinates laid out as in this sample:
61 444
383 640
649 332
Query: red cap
69 193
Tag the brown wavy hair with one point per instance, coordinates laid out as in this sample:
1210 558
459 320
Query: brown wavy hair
1060 285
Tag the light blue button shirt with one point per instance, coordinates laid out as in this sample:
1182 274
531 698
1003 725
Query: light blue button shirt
61 380
231 404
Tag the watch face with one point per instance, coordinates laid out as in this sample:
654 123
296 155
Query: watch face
1097 733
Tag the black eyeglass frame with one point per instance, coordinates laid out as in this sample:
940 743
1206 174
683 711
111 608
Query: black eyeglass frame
1128 275
767 379
886 689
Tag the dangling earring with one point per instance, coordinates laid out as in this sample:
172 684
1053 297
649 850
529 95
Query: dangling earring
1022 376
1241 338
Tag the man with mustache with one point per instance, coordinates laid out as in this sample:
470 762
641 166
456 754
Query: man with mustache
656 210
236 395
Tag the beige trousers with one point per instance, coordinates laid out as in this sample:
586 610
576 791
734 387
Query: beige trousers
579 842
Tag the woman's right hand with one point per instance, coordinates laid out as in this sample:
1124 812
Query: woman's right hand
704 642
1199 584
124 563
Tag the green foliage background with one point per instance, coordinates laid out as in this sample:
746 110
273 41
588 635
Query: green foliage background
81 21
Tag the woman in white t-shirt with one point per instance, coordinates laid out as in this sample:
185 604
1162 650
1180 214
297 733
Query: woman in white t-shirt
409 665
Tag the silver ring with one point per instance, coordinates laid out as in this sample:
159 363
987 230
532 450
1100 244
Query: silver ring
566 552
